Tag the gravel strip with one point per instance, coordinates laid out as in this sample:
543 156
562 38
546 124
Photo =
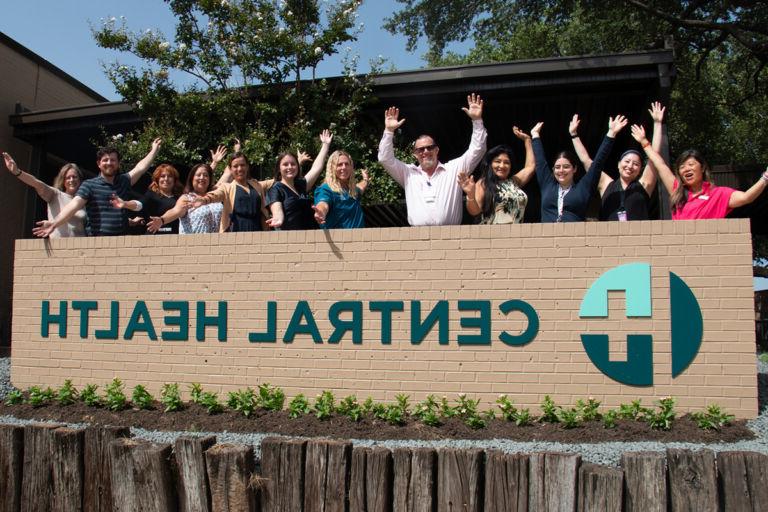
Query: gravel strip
597 453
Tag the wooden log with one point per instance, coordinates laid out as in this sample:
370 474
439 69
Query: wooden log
552 481
68 473
141 476
282 472
600 488
743 481
194 491
757 477
97 491
370 480
37 478
326 475
459 479
506 482
230 469
692 480
11 464
645 482
414 485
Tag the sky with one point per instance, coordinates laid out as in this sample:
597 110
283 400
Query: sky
60 32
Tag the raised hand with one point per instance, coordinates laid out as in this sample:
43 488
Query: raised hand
326 137
302 157
535 131
573 126
218 155
391 122
467 183
638 133
657 112
474 108
10 163
238 146
43 229
364 173
520 134
156 144
616 124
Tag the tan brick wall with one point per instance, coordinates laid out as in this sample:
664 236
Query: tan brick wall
549 266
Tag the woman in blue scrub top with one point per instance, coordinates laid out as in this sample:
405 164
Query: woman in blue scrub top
337 201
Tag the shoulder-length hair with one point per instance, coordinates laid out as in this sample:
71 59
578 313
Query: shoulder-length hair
680 196
490 180
333 181
191 176
163 168
58 181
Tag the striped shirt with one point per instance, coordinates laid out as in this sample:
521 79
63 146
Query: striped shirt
103 218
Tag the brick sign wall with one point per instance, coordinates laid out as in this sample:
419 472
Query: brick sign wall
482 310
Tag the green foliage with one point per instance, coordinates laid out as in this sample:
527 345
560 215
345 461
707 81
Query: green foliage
270 398
14 397
467 409
67 393
610 418
195 392
141 398
114 396
349 406
428 411
324 405
243 401
588 410
569 418
90 396
714 418
299 406
37 396
763 357
210 401
662 418
509 412
632 411
549 410
170 397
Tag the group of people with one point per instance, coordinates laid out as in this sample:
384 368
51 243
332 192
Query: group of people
434 191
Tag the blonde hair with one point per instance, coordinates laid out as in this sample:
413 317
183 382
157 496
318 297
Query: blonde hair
58 181
333 181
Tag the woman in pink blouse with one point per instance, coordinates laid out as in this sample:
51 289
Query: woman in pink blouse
692 193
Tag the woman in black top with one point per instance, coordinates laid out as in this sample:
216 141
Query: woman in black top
162 195
288 198
626 198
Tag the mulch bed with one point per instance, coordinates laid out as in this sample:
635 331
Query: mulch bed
195 419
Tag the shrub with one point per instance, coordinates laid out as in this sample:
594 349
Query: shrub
242 400
589 409
428 411
141 398
549 410
15 397
350 407
270 398
37 396
89 395
714 418
171 397
299 406
67 394
210 401
114 397
663 418
195 392
324 405
609 418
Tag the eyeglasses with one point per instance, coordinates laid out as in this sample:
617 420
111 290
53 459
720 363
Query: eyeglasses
425 149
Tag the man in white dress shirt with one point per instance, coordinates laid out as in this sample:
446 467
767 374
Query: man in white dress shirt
432 191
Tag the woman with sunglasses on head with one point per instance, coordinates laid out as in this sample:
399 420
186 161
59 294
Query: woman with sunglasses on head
337 201
288 198
692 194
562 198
629 196
498 195
65 185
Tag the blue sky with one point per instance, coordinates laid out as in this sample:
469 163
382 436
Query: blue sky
60 32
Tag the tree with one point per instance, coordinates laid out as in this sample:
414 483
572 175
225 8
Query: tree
250 67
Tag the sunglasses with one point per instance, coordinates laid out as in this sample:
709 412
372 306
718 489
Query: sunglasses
425 149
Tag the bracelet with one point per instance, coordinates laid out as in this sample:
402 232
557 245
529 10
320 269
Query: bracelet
18 173
574 135
646 144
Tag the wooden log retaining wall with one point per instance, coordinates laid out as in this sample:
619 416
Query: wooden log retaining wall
50 467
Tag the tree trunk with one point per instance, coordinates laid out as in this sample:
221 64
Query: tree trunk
282 471
459 479
37 479
600 488
326 476
141 476
193 489
370 480
415 481
230 469
97 492
692 480
11 464
67 459
506 482
645 482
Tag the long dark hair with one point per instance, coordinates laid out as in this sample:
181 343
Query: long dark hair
191 176
278 176
680 196
490 180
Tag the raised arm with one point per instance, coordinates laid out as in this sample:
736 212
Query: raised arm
739 198
648 179
226 175
594 173
543 172
392 165
524 175
474 153
46 192
363 184
578 146
46 227
665 173
317 166
141 167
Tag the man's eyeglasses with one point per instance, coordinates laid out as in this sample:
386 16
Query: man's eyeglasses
425 149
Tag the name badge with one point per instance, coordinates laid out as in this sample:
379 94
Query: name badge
703 197
430 195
